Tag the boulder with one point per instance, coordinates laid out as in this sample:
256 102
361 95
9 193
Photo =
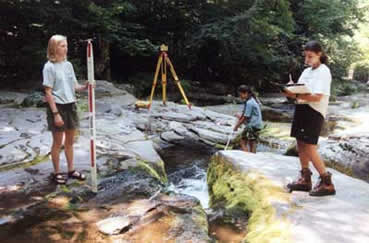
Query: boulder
276 115
113 225
211 136
160 218
348 154
105 88
107 92
10 97
171 136
35 99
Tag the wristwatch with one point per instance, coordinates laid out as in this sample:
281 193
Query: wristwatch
55 113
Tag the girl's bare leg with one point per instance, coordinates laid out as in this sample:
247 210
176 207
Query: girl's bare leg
252 144
68 148
243 144
303 154
55 150
312 151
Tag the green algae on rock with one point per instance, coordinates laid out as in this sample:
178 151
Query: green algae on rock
248 193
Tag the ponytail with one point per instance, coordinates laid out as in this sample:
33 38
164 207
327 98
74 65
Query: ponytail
255 98
324 58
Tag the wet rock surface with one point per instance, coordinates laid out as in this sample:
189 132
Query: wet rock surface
132 171
348 154
142 212
123 133
128 165
129 207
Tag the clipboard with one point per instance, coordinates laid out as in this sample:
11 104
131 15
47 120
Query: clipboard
294 88
298 88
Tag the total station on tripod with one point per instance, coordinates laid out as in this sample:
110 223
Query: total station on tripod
161 66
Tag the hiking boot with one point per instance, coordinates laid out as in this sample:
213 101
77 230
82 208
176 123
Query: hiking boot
303 183
324 187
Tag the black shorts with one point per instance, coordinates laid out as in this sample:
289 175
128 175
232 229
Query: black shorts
68 113
307 124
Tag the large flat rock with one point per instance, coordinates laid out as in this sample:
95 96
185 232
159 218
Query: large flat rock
340 218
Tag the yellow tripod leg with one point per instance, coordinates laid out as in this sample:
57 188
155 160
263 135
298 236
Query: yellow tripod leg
160 60
164 79
176 80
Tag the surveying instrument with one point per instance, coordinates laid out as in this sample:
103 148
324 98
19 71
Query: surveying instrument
163 63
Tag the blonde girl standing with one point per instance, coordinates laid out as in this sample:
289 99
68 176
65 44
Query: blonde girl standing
60 85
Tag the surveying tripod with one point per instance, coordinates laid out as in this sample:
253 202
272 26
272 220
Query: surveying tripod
161 66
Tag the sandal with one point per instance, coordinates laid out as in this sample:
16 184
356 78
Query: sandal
59 179
76 175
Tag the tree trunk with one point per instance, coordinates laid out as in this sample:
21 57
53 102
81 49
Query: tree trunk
103 69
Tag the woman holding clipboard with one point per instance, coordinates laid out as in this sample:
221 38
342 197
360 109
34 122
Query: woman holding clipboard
310 112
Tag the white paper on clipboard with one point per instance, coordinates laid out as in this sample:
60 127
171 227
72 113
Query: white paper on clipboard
298 88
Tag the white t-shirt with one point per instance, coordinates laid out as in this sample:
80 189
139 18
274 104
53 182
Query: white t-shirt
61 78
319 81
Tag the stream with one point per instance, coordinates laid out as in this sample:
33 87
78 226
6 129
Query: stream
186 165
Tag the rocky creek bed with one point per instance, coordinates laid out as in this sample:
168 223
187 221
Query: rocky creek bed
154 171
134 194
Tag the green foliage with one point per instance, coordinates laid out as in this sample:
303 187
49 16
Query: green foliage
142 83
238 46
343 88
240 41
186 85
332 22
361 72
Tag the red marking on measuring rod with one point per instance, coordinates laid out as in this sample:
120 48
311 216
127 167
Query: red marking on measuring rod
89 49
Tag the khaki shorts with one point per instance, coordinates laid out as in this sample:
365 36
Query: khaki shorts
251 134
68 112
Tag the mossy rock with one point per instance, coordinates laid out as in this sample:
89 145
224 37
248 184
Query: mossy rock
355 105
247 193
156 170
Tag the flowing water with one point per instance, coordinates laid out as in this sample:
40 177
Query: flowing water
186 166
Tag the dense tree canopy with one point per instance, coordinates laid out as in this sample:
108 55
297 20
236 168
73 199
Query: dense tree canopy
230 41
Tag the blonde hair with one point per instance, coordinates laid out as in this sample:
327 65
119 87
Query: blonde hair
52 45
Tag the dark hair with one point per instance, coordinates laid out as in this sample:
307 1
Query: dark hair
315 46
246 89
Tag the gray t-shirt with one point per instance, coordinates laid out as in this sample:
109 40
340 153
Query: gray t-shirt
61 78
253 114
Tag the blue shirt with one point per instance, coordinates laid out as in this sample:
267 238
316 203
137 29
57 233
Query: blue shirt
252 112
